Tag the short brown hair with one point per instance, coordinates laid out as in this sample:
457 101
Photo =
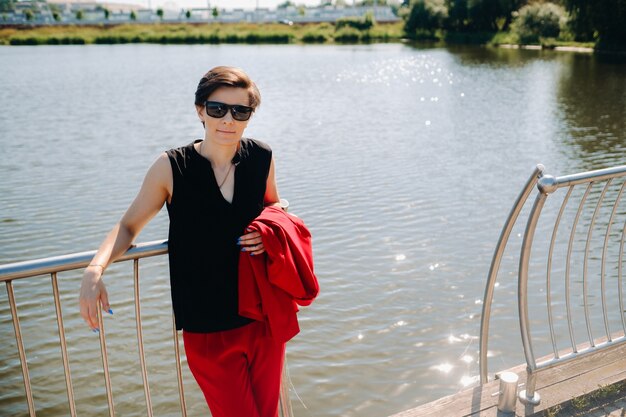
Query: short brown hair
226 77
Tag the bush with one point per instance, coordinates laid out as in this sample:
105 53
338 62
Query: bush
26 41
313 37
364 23
539 20
347 35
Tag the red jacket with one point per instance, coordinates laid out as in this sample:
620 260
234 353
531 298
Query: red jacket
271 284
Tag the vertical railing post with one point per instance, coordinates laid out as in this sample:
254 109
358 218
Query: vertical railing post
105 360
585 264
142 356
179 369
528 396
620 292
568 258
555 229
20 349
64 355
603 265
285 402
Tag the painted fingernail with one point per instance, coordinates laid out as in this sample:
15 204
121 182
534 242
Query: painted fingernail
110 311
252 254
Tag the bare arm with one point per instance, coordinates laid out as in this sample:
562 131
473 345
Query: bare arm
155 191
251 242
271 190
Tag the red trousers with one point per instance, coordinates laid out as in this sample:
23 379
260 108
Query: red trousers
239 370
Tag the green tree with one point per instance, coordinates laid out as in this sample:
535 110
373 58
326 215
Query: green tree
7 5
286 4
539 20
56 12
80 14
215 13
481 15
458 18
359 23
28 13
604 17
159 13
188 14
425 16
133 15
107 13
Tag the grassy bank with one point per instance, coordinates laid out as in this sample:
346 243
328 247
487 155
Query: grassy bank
507 39
250 33
196 33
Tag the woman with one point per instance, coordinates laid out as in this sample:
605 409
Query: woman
213 189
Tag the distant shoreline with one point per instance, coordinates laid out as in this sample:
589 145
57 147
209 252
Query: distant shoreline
240 33
195 33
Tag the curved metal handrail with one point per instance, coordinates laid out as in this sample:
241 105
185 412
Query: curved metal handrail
546 185
495 266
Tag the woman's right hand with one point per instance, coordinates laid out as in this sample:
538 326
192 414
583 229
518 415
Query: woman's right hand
92 290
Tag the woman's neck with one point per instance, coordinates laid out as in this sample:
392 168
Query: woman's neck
219 155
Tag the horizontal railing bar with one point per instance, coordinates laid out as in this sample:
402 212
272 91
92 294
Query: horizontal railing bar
78 260
580 352
591 176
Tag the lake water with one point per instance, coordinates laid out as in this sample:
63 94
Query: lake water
403 161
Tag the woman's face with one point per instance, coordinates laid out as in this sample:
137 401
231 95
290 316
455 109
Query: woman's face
225 130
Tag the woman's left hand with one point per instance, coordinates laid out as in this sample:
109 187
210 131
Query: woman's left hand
251 242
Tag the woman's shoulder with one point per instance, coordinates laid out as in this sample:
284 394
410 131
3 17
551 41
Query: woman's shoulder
253 149
182 152
255 144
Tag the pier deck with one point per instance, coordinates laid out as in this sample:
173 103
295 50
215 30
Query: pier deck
557 387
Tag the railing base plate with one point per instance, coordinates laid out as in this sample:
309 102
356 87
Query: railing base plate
534 400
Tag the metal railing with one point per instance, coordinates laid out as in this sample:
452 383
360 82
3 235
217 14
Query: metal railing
55 265
579 249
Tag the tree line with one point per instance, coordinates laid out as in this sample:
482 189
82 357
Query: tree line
599 21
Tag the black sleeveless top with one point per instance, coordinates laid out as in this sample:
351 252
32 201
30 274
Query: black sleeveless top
204 227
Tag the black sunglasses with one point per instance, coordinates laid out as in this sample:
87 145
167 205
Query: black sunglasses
219 110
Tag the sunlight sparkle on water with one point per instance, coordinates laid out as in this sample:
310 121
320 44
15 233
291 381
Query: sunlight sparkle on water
400 257
395 70
469 380
443 367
